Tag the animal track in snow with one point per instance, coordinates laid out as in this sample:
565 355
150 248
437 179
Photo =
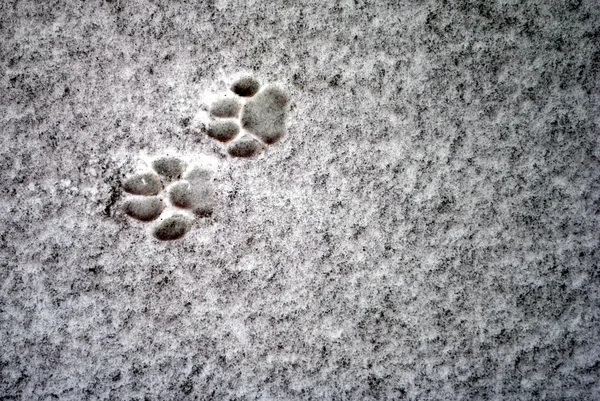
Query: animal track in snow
250 118
143 184
172 227
172 193
144 208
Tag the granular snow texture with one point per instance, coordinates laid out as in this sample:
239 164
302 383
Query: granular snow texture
427 228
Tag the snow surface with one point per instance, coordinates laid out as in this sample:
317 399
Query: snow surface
427 229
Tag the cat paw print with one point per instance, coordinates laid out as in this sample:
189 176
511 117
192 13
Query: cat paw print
171 193
249 117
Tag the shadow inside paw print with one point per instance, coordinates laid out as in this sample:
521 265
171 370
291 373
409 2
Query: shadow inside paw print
173 193
250 119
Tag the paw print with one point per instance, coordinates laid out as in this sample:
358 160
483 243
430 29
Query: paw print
249 118
172 193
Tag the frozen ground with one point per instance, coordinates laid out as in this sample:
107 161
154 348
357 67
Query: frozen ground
427 229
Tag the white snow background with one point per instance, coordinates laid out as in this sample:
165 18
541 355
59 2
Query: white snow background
427 229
